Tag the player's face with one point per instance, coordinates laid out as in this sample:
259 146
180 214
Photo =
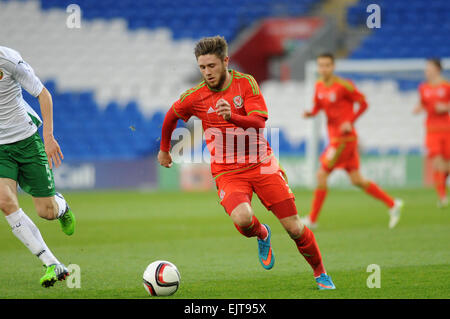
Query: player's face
431 71
213 69
325 67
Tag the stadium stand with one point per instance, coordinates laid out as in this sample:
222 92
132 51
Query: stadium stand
388 126
113 79
198 19
111 104
410 29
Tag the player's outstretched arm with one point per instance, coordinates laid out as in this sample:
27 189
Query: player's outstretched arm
312 113
54 153
359 98
24 74
316 108
169 125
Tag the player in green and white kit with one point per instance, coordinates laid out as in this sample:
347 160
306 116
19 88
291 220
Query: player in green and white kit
27 161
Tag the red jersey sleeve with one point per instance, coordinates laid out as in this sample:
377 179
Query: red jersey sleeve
447 85
169 125
254 102
246 121
355 96
421 96
183 108
316 107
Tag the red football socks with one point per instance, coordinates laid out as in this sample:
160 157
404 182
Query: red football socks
319 198
307 246
375 191
254 229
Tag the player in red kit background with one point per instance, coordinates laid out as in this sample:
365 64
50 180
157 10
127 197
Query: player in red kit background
336 97
435 101
233 113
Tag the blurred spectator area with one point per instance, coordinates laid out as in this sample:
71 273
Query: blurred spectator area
409 29
113 79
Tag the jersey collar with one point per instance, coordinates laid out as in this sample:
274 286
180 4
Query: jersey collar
334 79
225 88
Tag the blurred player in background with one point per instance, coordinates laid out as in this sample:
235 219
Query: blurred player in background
336 97
27 161
232 109
435 101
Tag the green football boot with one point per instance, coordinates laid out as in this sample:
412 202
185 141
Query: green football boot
67 219
53 273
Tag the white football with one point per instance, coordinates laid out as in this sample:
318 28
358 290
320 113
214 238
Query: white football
161 278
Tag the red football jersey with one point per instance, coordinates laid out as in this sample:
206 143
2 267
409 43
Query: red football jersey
337 101
231 148
430 97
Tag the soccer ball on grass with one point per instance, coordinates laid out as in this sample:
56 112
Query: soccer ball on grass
161 278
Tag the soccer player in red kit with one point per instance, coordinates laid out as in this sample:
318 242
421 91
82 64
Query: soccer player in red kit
435 101
336 97
233 114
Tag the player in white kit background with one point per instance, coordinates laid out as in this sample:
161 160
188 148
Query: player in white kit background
27 161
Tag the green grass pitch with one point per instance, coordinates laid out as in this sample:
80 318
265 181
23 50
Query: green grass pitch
119 233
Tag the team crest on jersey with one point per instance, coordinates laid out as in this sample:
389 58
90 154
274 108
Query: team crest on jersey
238 101
1 74
222 194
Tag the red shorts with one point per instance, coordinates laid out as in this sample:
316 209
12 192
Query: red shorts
342 154
267 180
438 143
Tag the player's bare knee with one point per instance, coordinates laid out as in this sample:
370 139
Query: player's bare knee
294 232
242 218
8 204
293 226
242 214
321 178
358 183
320 175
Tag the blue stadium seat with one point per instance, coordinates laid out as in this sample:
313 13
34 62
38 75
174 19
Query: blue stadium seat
227 17
87 131
410 29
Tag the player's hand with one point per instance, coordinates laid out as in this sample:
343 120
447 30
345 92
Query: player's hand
53 151
165 159
307 114
418 109
223 109
441 108
346 127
